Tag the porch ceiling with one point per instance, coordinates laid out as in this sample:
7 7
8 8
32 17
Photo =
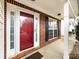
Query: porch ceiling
53 6
50 7
73 8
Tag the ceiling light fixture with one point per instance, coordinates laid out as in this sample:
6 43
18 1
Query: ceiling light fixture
59 14
32 0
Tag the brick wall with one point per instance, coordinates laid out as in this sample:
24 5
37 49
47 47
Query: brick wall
43 42
42 29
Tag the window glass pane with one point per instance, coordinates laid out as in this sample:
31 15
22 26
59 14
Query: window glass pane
11 30
50 29
55 25
55 29
55 33
50 34
12 37
11 45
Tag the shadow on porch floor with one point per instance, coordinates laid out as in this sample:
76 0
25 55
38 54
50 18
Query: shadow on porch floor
54 50
36 55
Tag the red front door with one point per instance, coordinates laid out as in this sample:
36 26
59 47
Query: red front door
26 31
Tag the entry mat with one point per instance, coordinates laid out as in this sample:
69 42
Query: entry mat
36 55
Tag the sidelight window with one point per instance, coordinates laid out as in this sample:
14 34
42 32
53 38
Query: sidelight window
11 30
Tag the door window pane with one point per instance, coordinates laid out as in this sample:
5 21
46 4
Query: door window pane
11 30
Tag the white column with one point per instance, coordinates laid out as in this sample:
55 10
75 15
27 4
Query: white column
1 29
66 25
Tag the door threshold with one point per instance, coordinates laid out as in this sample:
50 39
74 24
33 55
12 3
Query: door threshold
26 49
28 55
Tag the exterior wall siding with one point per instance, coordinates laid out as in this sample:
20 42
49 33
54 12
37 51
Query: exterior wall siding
1 29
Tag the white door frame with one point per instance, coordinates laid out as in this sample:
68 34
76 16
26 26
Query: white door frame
16 9
9 52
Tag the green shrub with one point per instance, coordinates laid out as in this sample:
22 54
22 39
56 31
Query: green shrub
77 31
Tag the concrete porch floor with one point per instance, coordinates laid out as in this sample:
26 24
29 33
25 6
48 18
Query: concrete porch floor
55 50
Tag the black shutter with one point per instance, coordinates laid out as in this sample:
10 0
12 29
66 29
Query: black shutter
46 28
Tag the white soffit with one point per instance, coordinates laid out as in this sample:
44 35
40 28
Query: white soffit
50 7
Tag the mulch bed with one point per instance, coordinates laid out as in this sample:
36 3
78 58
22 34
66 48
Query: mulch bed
75 52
